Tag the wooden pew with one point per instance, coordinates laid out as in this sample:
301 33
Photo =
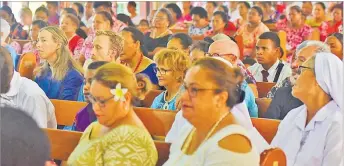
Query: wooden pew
64 142
283 43
266 127
273 157
158 122
316 34
263 105
27 64
151 95
264 87
179 31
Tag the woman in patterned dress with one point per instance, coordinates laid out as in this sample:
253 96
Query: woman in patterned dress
118 137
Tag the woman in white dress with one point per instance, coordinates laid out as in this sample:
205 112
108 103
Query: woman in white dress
312 134
213 136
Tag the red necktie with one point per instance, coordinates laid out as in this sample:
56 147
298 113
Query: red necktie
265 75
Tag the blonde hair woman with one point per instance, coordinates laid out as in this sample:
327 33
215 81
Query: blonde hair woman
170 70
118 129
59 75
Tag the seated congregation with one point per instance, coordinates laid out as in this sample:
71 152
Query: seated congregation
252 84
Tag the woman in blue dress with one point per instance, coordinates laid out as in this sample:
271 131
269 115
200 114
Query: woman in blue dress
58 75
171 68
135 55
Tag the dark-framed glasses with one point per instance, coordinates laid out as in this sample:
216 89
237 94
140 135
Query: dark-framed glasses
193 91
302 69
161 71
101 103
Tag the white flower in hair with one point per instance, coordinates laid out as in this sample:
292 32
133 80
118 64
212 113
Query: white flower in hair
119 92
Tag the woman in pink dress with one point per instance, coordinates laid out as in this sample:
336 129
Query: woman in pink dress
252 30
69 24
297 31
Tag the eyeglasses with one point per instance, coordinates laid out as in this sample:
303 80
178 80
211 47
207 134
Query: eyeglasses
302 69
159 18
161 71
218 55
193 91
101 103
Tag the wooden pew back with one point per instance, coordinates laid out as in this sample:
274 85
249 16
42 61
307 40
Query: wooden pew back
64 142
272 157
283 43
263 88
65 110
266 127
149 98
240 41
263 105
158 122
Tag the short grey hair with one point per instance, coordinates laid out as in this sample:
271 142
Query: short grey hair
320 46
5 29
167 13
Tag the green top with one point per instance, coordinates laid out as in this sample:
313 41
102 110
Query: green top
123 145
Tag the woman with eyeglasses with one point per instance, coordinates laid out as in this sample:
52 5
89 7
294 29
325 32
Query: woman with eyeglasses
118 137
213 135
157 38
312 134
170 70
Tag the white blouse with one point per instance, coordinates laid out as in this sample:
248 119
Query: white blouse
242 117
209 152
320 143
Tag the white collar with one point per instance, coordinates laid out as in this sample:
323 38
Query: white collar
14 85
320 116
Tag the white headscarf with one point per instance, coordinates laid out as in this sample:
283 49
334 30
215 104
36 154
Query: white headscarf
329 75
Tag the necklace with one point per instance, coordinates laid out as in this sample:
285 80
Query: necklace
192 133
165 106
137 66
188 141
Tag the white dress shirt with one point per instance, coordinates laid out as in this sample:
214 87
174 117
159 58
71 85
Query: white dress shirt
5 101
239 111
320 143
136 20
29 97
256 71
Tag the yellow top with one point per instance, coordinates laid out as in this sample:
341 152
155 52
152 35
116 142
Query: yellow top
123 145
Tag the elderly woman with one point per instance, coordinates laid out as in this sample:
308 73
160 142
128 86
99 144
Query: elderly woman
211 92
170 70
59 76
312 133
335 41
160 33
118 128
252 30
